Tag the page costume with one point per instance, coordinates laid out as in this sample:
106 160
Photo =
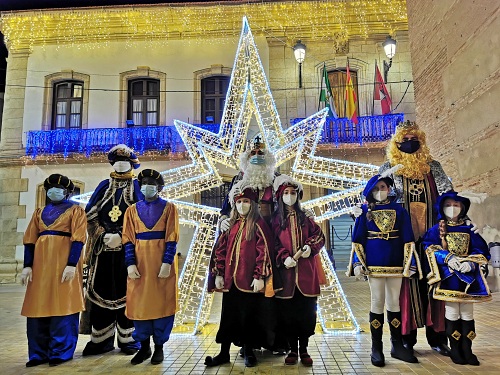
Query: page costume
297 301
384 248
459 289
53 240
107 281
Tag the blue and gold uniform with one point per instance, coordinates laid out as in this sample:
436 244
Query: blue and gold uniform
454 255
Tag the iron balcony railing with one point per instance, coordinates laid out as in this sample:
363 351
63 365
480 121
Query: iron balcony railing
166 138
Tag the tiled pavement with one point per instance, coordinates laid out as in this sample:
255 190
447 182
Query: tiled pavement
348 354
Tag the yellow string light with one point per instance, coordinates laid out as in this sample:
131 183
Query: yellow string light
199 23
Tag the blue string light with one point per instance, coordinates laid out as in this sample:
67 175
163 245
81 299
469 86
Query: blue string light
166 138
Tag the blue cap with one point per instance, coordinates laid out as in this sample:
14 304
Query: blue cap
373 181
455 196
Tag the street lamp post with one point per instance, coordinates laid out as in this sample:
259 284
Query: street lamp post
390 50
299 50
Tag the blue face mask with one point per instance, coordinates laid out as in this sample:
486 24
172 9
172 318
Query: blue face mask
56 194
149 191
258 159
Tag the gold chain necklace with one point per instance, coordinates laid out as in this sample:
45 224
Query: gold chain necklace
115 212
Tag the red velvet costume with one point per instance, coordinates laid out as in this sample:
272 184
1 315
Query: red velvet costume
305 275
240 260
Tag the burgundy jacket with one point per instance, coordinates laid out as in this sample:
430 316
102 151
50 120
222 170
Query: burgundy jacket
240 260
288 241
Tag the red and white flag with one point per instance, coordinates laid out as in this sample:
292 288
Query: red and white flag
381 100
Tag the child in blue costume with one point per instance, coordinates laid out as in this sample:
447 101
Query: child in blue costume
455 254
383 248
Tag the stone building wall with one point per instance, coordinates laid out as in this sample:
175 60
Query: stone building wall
456 68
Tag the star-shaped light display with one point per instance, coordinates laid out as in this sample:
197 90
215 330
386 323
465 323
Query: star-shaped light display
248 97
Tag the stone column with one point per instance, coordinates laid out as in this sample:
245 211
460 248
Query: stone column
11 185
13 112
11 148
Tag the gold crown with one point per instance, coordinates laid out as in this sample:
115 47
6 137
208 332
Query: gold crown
258 143
408 124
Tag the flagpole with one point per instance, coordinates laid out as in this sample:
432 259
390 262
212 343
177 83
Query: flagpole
345 92
321 88
374 87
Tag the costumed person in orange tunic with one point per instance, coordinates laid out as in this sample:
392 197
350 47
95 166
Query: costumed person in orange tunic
383 248
455 254
107 280
417 185
150 235
52 271
298 240
242 263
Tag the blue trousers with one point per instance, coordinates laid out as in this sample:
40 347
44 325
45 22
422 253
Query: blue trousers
52 337
160 329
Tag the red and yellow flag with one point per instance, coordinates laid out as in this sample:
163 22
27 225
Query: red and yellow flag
350 98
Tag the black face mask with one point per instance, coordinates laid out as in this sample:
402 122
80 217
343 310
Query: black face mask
409 147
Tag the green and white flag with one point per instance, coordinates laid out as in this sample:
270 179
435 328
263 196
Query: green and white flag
326 95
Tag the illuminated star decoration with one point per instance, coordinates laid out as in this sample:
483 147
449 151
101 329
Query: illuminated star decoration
249 95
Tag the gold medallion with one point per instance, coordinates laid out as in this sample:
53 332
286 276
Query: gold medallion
115 213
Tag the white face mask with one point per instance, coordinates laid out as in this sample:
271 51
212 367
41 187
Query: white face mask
289 199
149 191
451 212
243 208
380 195
122 166
56 194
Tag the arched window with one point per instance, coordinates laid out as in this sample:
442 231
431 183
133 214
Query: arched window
213 98
143 101
338 80
67 105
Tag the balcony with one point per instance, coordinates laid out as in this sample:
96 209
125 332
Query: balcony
368 129
166 139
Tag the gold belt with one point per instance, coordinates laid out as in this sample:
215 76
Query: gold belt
381 235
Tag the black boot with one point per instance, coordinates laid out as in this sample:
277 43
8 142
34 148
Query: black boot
221 358
376 329
143 353
157 357
468 334
398 351
453 331
250 358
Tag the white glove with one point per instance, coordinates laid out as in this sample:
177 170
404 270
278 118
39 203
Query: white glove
164 270
26 275
454 263
219 282
290 262
225 225
465 267
257 285
357 211
310 213
475 228
306 251
358 271
68 273
112 240
133 272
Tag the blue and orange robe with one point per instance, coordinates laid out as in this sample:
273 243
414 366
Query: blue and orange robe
53 240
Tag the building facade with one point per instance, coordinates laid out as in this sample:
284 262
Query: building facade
144 67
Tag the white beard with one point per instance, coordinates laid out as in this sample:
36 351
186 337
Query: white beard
258 176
